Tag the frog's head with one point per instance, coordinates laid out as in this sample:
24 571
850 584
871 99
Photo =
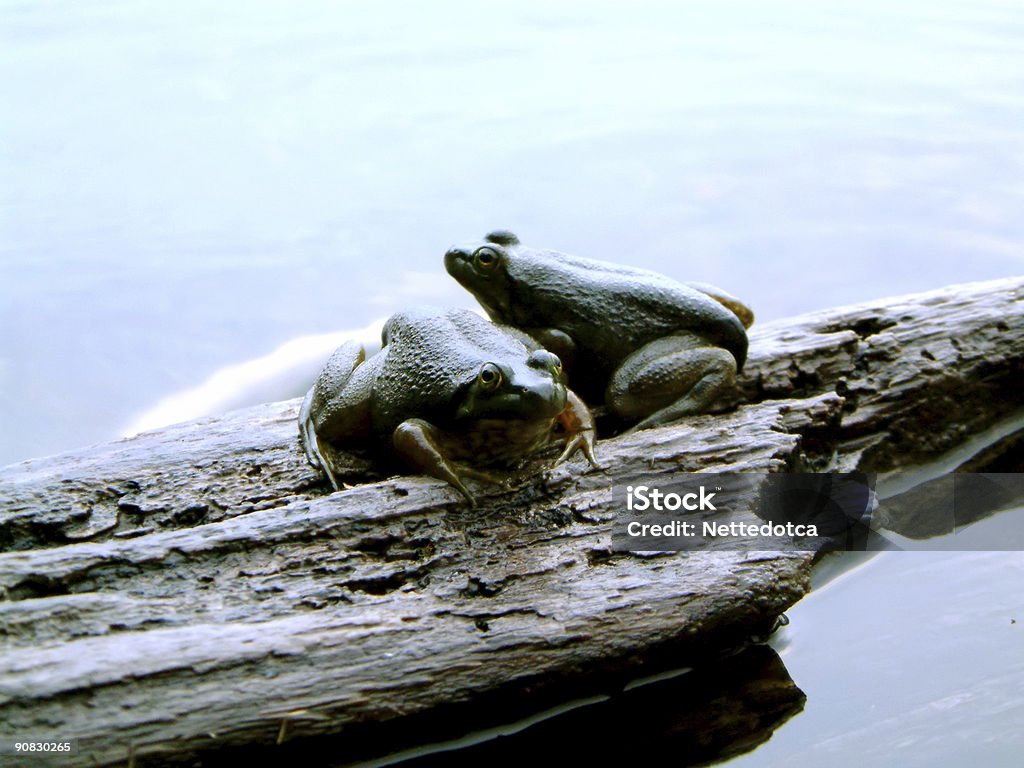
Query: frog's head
533 389
483 270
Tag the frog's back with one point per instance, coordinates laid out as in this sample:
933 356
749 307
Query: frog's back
611 309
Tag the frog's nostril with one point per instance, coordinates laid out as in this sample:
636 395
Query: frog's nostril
453 256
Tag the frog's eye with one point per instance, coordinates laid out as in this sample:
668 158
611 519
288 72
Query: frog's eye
545 361
486 258
489 376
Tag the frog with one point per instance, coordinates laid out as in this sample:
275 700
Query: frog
651 349
450 395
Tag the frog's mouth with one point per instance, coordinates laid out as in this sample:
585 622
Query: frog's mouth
518 403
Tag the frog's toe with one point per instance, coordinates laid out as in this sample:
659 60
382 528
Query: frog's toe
584 441
461 488
325 463
577 424
311 442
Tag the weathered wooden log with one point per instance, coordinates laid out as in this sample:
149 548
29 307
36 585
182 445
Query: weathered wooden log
198 589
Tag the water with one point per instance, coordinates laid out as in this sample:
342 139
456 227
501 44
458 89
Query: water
189 187
928 676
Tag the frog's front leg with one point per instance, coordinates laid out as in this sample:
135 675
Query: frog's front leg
418 443
578 424
669 378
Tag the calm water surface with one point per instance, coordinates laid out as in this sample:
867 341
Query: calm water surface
189 186
910 659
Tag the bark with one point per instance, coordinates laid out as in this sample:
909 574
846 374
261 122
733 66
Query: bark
197 591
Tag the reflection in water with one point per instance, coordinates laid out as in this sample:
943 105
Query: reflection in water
721 709
908 658
947 506
970 483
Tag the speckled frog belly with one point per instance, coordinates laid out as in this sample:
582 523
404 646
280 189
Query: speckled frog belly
496 442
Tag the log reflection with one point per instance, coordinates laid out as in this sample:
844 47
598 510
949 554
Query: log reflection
720 710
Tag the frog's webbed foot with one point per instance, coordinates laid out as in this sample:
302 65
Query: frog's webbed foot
669 378
578 424
417 442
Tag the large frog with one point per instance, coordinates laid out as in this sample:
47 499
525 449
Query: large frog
449 392
652 349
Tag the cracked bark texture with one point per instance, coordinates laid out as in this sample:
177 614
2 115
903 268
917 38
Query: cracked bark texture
197 591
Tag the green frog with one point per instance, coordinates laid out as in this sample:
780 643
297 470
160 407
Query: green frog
652 349
448 393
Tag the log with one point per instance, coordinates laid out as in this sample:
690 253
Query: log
197 591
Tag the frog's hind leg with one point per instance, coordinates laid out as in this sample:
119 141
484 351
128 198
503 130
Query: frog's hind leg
669 378
311 443
336 373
